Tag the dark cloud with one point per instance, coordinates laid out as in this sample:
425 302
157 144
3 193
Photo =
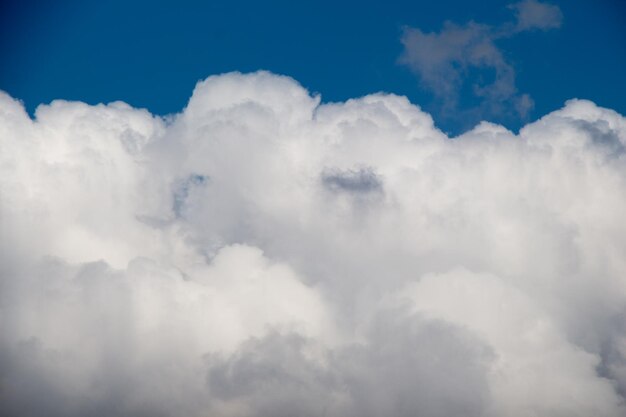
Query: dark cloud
358 181
405 366
183 188
603 136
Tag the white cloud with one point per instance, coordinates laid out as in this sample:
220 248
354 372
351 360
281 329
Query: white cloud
262 254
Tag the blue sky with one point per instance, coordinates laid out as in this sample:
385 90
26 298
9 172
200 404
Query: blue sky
150 53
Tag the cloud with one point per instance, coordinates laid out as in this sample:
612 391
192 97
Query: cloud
261 253
531 14
463 61
286 375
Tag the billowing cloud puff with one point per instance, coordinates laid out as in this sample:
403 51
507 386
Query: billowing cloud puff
262 254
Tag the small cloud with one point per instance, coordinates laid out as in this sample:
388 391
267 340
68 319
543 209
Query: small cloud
524 105
531 14
464 60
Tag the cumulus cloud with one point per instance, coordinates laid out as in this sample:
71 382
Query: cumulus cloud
262 254
465 61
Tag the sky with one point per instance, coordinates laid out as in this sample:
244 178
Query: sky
263 211
150 54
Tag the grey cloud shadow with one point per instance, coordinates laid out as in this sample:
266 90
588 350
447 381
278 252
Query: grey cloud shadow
354 181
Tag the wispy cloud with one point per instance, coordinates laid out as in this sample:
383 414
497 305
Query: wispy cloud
465 60
531 14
